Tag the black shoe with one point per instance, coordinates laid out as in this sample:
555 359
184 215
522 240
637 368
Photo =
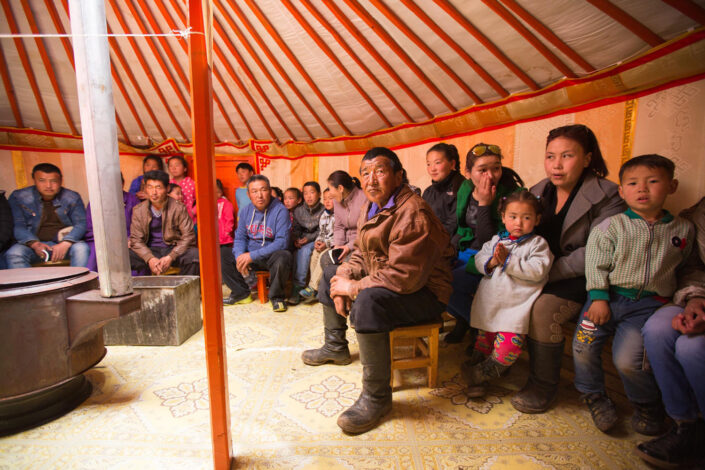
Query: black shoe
458 332
308 295
682 446
649 419
245 298
602 409
294 298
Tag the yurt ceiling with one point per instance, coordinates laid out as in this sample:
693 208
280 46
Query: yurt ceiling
301 70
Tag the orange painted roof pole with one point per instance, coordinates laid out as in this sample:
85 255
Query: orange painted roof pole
200 20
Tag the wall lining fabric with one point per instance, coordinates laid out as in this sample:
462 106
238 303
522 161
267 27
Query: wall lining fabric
670 122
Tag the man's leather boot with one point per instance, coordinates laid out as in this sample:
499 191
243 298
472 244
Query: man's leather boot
375 401
335 348
541 389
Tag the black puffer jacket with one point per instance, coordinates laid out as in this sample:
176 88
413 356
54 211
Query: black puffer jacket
442 196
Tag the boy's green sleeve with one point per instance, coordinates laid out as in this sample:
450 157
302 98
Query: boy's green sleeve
599 253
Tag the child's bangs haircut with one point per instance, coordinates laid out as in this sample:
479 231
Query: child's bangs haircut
296 191
521 196
652 160
314 185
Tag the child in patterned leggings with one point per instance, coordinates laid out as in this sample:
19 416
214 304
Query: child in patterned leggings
515 266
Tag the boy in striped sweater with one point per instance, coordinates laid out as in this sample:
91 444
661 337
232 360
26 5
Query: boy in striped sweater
630 266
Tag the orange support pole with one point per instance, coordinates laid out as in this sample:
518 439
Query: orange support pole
200 20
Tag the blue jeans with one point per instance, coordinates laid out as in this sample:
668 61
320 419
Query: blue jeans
22 256
464 287
628 316
678 363
302 259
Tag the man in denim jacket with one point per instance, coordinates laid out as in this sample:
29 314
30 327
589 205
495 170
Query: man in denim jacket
50 221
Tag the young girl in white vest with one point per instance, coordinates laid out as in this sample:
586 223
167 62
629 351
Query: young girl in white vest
515 266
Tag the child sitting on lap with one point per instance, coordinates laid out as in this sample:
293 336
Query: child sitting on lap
515 265
630 264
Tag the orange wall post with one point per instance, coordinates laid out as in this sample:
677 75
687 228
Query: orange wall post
200 47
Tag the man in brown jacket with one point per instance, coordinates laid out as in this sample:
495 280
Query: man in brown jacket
162 232
398 275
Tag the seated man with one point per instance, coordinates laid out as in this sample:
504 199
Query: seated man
398 275
50 222
261 239
674 338
161 232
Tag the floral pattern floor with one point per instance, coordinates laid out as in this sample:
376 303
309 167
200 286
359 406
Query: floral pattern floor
149 410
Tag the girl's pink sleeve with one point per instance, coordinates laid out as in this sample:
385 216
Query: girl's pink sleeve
228 217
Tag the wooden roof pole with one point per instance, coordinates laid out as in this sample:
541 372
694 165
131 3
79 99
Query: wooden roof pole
174 61
199 20
265 70
147 71
341 42
299 67
333 58
345 21
10 90
54 13
489 79
470 28
689 9
401 26
100 145
628 21
224 60
121 58
552 58
49 67
392 44
548 34
150 41
24 58
172 24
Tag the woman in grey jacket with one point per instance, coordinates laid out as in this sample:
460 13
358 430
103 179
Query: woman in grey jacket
575 197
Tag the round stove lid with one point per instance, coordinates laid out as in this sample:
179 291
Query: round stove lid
12 278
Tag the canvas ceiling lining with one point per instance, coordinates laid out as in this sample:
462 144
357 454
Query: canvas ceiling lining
592 34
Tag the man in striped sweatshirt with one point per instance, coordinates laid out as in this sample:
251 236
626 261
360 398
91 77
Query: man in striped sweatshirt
630 266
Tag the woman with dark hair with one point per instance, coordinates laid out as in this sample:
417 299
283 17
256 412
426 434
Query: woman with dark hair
478 221
442 165
149 163
348 199
575 197
178 169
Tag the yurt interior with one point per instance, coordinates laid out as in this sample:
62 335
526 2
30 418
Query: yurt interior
298 90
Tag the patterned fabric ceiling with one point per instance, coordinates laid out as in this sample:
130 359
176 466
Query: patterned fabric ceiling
300 70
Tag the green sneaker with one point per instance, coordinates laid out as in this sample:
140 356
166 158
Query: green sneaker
238 300
279 306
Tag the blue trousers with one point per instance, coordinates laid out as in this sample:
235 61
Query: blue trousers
678 362
625 323
302 259
464 286
22 256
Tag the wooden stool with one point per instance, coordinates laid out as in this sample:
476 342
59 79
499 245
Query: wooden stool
172 271
262 286
52 264
427 348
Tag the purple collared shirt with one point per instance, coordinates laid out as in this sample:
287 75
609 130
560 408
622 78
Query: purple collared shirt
375 209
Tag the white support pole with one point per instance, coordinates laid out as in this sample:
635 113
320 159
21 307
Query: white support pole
95 99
